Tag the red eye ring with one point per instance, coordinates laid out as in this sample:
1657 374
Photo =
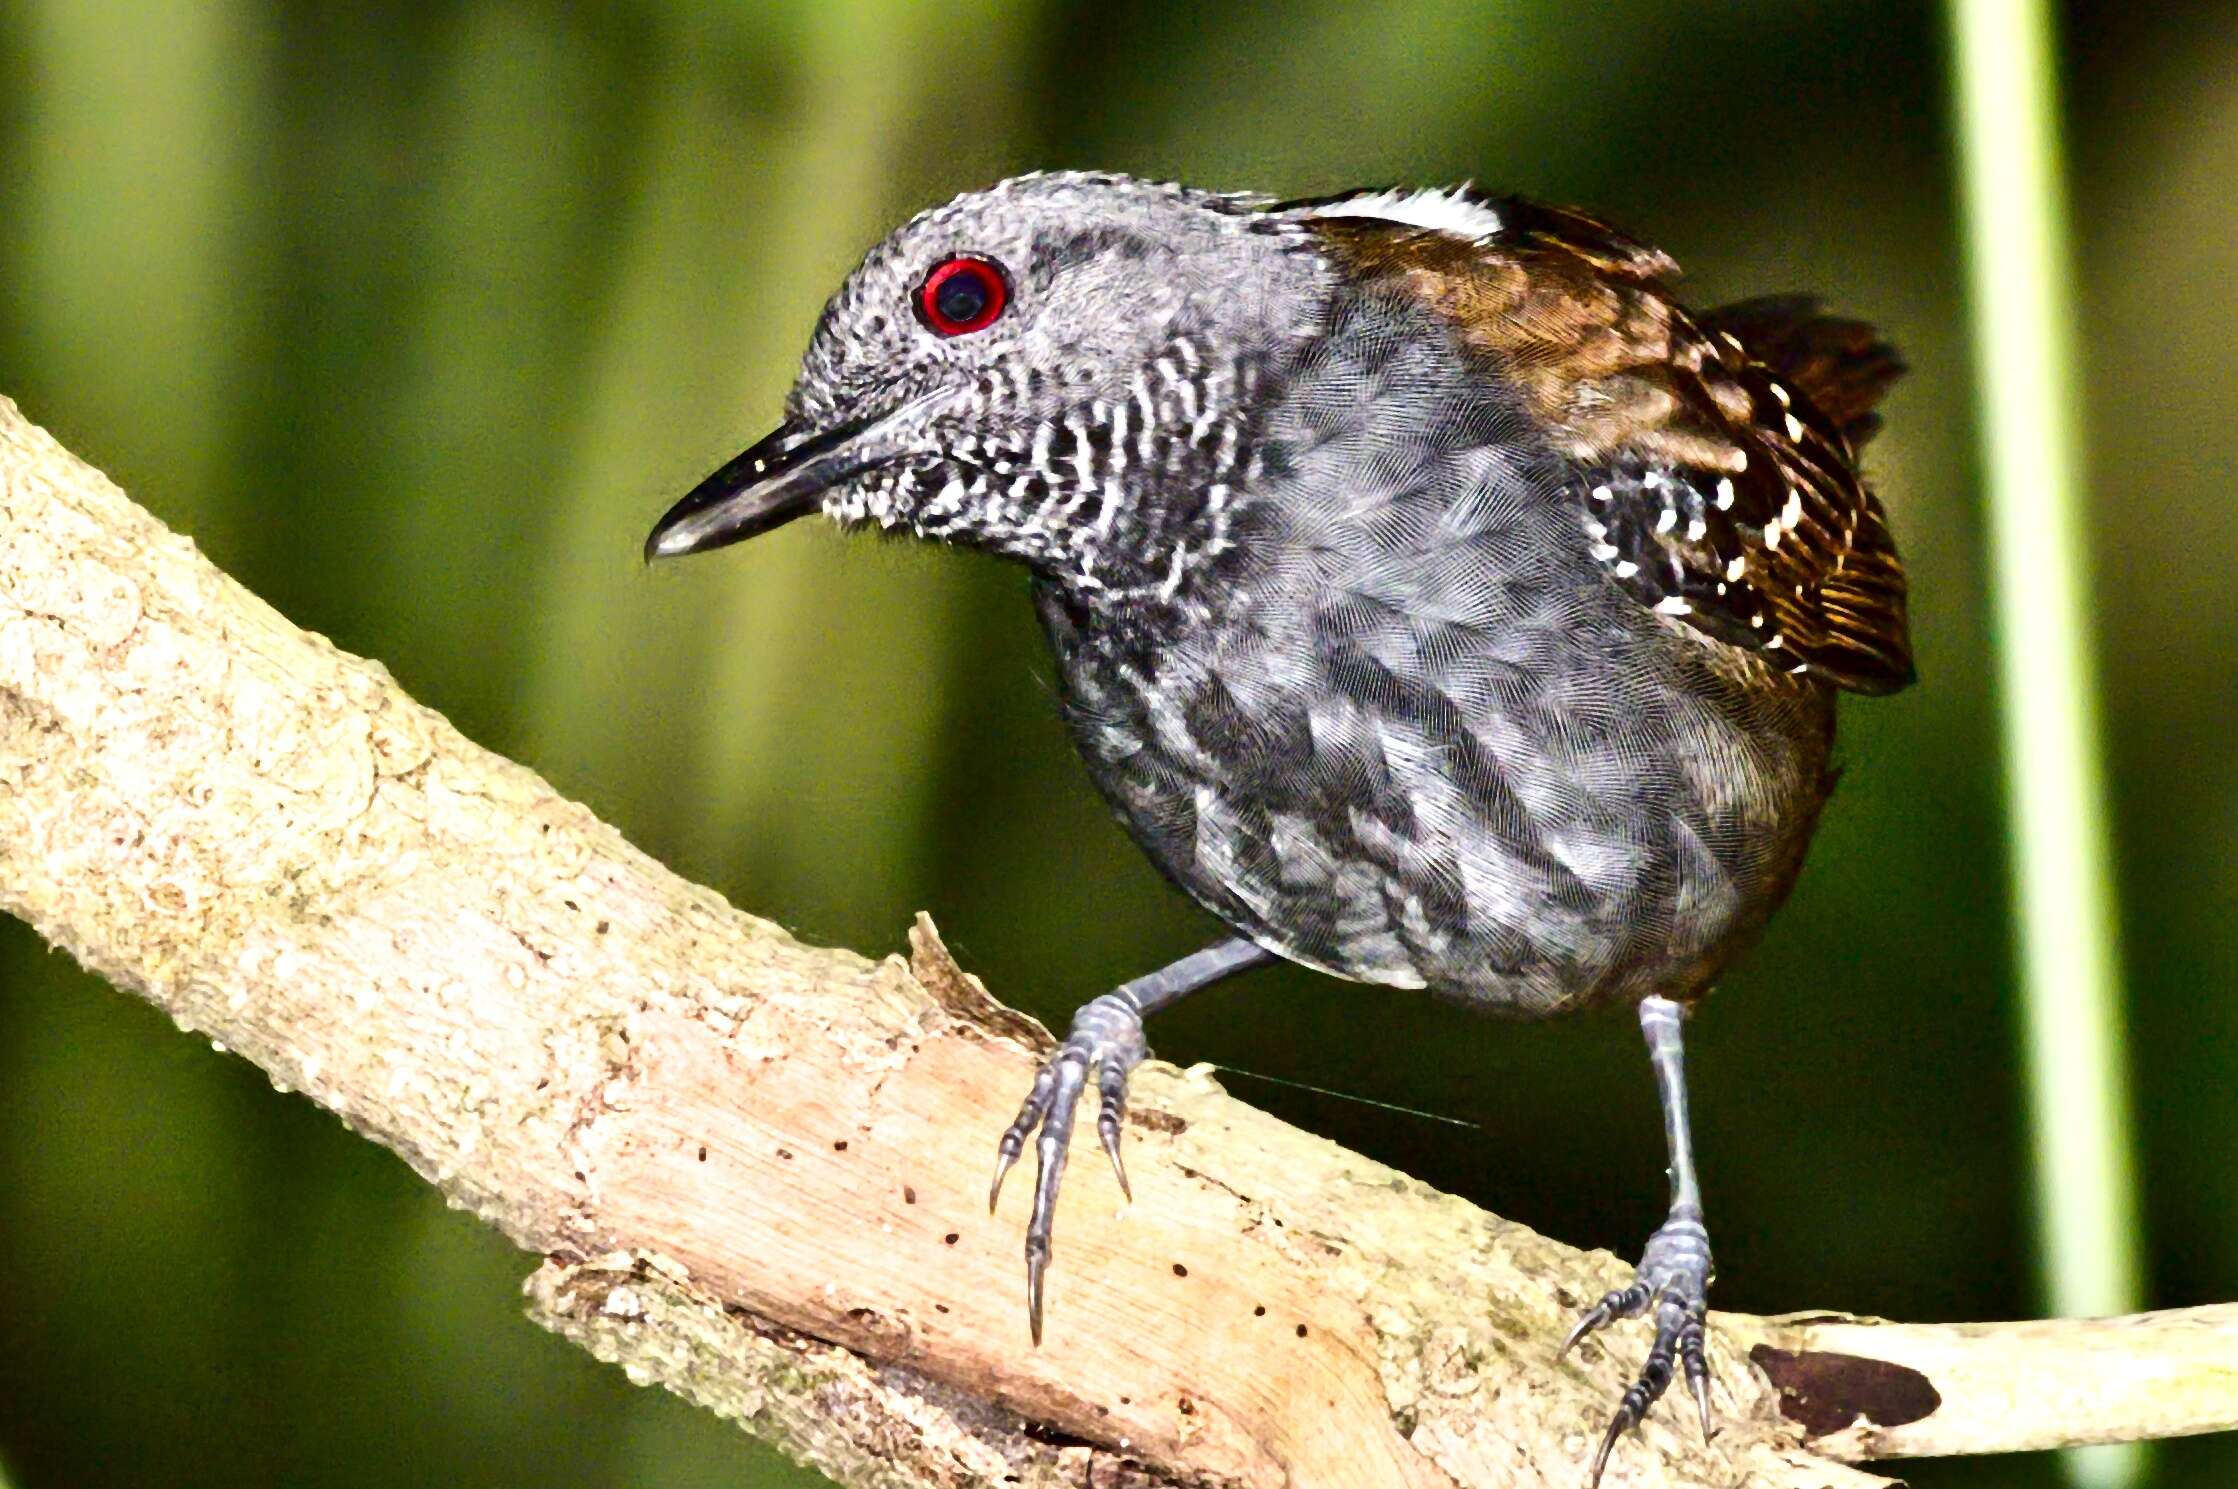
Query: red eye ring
961 295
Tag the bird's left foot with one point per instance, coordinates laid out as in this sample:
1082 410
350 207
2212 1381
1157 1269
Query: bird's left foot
1674 1279
1106 1039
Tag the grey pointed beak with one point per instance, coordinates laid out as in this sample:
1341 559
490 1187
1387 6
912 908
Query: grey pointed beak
783 476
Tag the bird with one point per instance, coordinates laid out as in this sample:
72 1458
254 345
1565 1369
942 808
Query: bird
1433 597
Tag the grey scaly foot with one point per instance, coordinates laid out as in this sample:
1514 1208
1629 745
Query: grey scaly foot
1673 1279
1106 1039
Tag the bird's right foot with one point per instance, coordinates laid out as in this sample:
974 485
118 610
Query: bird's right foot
1674 1279
1106 1038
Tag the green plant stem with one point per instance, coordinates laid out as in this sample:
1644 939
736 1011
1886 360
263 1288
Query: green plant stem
2015 225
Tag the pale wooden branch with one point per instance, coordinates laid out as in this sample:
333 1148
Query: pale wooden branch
756 1169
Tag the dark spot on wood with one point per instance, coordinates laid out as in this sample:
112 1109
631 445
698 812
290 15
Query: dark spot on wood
1301 1331
940 1307
1188 1407
890 1332
1056 1437
604 926
703 1152
1157 1121
1260 1311
950 1238
786 1154
570 904
540 1085
908 1195
1825 1391
840 1146
1180 1270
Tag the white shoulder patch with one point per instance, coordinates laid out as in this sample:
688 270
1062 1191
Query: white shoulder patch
1449 210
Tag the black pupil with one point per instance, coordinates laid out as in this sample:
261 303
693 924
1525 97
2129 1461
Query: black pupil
962 296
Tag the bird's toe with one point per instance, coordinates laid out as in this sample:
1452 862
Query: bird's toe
1673 1282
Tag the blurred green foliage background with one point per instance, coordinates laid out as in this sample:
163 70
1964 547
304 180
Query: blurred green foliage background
414 316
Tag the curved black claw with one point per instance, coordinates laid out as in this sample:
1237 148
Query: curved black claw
1107 1038
1674 1278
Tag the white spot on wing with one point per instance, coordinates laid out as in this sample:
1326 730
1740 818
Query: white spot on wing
1449 210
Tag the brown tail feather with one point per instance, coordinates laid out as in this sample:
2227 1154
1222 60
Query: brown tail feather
1842 366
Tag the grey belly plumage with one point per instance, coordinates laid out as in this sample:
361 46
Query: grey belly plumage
1411 733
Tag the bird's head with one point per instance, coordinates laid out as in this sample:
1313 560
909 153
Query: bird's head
1060 368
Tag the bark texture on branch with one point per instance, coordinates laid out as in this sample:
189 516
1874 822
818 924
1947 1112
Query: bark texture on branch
756 1169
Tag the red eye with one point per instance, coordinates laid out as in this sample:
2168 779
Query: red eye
962 295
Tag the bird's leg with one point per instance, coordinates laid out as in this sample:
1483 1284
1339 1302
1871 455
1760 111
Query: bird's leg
1107 1039
1674 1272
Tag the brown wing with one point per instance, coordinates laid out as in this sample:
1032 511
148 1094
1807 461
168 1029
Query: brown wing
1717 456
1842 366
